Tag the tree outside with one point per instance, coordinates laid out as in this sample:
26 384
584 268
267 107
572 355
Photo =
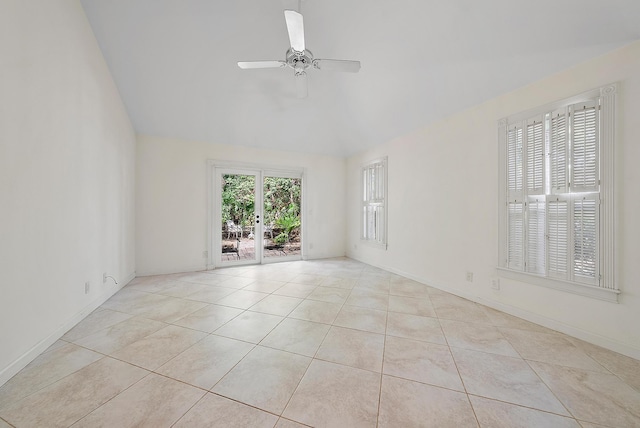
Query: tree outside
282 202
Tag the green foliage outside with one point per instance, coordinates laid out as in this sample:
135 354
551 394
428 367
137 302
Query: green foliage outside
289 222
238 199
282 200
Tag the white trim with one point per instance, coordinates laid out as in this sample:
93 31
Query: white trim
278 259
262 170
23 360
217 216
171 270
503 221
606 294
304 250
380 245
255 166
609 120
211 167
585 96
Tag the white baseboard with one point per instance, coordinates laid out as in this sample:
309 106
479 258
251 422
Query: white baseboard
167 271
210 266
533 317
22 361
323 256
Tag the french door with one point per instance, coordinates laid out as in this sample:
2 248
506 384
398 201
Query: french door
257 216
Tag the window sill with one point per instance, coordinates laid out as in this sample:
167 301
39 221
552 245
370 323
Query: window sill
558 284
373 244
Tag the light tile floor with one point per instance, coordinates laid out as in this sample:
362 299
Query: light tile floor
329 343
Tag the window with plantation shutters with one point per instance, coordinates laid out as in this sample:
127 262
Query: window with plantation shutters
557 194
374 188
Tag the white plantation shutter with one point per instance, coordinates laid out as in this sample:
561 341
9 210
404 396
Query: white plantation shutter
558 155
584 146
536 230
535 156
515 185
558 237
373 222
516 235
557 165
585 238
514 161
373 202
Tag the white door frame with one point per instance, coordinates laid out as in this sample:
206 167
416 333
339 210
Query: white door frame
257 219
215 169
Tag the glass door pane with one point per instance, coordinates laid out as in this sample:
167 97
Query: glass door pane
238 214
282 217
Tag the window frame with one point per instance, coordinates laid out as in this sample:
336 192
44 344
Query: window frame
371 203
607 288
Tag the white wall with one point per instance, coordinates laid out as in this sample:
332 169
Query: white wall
171 207
67 163
443 206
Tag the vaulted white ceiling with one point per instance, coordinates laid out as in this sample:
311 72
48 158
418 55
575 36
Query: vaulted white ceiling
174 62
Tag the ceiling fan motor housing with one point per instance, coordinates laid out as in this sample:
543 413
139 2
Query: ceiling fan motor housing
299 61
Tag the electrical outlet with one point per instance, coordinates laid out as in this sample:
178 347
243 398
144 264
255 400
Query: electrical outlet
205 254
495 283
470 276
87 287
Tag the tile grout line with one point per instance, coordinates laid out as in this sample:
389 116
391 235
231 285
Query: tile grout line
548 388
7 422
522 405
384 349
455 363
116 395
312 358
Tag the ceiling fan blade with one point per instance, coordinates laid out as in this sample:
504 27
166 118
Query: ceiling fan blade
261 64
337 65
295 27
301 84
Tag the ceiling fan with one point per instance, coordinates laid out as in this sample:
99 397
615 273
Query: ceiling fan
299 58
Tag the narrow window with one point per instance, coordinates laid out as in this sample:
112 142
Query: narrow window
374 202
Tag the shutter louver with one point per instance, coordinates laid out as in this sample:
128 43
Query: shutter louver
536 228
585 244
584 147
516 235
514 161
535 158
558 153
558 235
